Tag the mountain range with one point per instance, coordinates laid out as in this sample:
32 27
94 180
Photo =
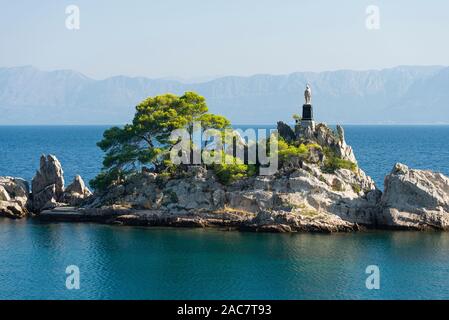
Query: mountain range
399 95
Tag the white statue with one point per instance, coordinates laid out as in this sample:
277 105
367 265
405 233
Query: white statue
308 94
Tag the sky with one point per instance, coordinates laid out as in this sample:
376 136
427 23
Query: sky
198 39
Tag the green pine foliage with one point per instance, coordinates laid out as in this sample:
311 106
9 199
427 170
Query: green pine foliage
232 169
333 163
287 150
146 141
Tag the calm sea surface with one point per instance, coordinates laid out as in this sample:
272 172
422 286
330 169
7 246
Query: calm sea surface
145 263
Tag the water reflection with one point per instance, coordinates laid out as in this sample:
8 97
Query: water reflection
146 263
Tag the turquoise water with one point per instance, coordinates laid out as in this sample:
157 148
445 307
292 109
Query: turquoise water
142 263
147 263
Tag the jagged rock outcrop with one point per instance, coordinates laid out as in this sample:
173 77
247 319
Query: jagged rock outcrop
47 185
48 189
302 199
76 192
285 131
14 194
301 196
304 195
325 136
415 199
344 151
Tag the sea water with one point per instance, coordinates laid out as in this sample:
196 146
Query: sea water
164 263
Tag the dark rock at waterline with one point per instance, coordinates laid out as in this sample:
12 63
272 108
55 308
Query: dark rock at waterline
286 132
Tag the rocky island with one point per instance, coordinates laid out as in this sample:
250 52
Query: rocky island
318 186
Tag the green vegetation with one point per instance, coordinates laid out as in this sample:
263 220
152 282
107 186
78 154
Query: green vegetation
106 178
356 188
336 186
288 151
146 141
309 213
232 169
333 163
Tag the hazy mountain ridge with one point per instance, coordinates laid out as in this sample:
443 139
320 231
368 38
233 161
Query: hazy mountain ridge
396 95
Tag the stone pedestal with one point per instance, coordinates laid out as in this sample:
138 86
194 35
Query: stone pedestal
307 117
307 112
308 124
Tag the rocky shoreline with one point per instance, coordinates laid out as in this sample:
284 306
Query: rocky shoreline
224 221
303 196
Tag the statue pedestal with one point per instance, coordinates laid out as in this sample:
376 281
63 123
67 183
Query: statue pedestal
306 126
307 112
307 117
305 129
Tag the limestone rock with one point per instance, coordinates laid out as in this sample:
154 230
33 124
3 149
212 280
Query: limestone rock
76 192
219 198
415 199
298 199
287 222
301 196
285 131
14 193
325 136
344 151
45 199
48 183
